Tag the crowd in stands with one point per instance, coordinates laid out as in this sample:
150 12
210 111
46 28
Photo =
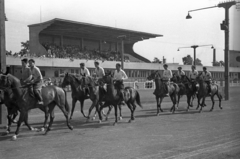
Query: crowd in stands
73 52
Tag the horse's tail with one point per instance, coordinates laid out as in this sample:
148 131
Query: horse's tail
66 102
138 99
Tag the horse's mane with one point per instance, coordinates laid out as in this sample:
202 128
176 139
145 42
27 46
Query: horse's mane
75 78
187 78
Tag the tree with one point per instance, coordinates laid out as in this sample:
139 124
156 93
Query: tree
188 60
220 63
198 62
156 60
25 48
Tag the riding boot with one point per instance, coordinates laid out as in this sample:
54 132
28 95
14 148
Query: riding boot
38 96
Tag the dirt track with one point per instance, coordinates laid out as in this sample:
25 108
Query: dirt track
181 135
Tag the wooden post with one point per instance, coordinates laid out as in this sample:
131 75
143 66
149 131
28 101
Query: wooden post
122 54
3 112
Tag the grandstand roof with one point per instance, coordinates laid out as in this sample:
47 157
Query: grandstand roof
91 31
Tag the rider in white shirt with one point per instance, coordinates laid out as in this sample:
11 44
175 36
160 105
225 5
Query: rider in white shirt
83 70
180 72
119 76
99 71
207 77
193 75
167 75
83 73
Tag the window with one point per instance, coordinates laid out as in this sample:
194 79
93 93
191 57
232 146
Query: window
43 73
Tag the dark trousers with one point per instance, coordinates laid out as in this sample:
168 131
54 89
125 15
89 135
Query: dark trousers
38 94
209 86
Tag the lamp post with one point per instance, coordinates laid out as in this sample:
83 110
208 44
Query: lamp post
2 55
194 50
225 27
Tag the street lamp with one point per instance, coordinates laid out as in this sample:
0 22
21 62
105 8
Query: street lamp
194 50
225 27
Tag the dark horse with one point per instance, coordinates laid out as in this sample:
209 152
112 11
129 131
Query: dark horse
160 91
52 96
113 97
6 98
203 93
78 92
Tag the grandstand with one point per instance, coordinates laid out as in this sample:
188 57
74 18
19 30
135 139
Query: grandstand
58 46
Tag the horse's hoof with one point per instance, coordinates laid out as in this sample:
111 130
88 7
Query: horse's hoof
220 107
70 118
7 132
70 127
157 114
93 118
161 110
211 110
120 118
114 124
187 110
130 121
14 137
100 121
14 121
34 129
106 119
42 129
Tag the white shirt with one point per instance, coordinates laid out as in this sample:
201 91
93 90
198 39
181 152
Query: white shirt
206 76
193 74
99 72
167 74
84 71
121 75
36 73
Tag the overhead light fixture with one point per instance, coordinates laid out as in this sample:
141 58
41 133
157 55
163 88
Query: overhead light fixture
212 47
188 16
177 49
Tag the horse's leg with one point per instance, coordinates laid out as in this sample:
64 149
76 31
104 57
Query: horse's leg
158 110
82 104
220 99
26 123
116 113
20 120
52 116
109 111
202 105
9 117
199 100
131 109
101 108
45 109
192 97
213 102
94 104
120 111
73 107
178 100
161 99
173 98
62 107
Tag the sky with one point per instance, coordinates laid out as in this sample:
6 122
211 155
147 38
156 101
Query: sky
167 18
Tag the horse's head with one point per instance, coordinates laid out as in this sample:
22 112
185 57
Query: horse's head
69 79
87 81
154 75
108 78
199 78
4 81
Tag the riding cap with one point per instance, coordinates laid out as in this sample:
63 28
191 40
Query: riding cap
204 68
179 67
24 60
118 64
32 60
165 65
96 62
82 64
193 66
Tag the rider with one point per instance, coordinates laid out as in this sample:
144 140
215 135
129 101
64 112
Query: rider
84 72
192 75
207 77
180 72
26 75
99 70
167 75
120 75
37 80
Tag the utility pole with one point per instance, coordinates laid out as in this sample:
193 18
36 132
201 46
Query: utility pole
3 113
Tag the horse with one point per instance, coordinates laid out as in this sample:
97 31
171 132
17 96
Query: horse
78 93
6 98
203 93
52 96
113 97
96 96
160 92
